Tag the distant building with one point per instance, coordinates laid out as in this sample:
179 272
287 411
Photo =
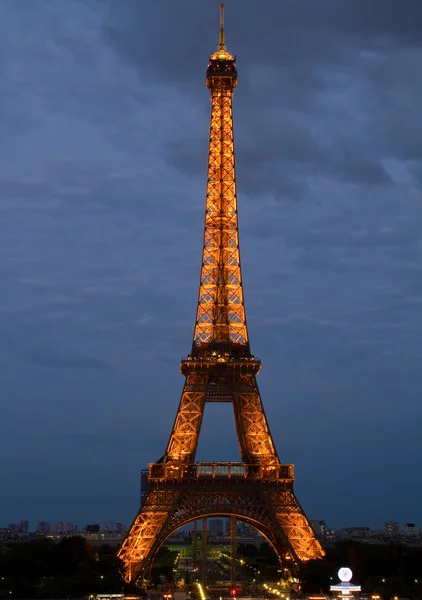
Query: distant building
94 528
410 529
111 528
216 526
63 528
320 529
57 528
144 485
23 527
43 527
358 531
247 531
120 528
391 528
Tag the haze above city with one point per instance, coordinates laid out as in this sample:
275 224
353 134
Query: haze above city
103 155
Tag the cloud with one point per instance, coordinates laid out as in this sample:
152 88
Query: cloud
318 96
103 152
48 357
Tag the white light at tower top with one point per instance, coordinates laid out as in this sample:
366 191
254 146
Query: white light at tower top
345 574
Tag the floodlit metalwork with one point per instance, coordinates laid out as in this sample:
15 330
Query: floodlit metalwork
221 320
220 368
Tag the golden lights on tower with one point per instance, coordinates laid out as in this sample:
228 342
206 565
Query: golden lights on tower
220 368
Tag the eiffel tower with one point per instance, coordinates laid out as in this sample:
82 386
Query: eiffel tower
220 368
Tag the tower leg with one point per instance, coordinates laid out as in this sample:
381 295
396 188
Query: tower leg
204 550
194 542
295 525
233 544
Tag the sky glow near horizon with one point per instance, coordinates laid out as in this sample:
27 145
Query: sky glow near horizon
104 116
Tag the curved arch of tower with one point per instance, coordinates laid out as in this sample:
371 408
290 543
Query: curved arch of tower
260 523
246 503
220 368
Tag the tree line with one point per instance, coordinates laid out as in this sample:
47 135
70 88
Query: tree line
72 568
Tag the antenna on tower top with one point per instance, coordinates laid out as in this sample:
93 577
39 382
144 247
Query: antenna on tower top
222 45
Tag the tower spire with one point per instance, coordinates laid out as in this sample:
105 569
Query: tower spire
222 45
221 52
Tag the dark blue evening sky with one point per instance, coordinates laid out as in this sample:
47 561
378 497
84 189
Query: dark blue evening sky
104 119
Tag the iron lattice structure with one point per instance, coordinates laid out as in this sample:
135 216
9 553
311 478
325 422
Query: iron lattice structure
220 368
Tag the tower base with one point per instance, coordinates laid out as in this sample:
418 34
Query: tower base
224 489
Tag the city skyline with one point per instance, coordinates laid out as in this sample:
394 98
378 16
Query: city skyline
25 526
102 191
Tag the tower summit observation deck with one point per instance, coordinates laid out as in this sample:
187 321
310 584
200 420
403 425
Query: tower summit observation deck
220 368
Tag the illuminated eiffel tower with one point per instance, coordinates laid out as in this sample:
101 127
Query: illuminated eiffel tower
220 368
